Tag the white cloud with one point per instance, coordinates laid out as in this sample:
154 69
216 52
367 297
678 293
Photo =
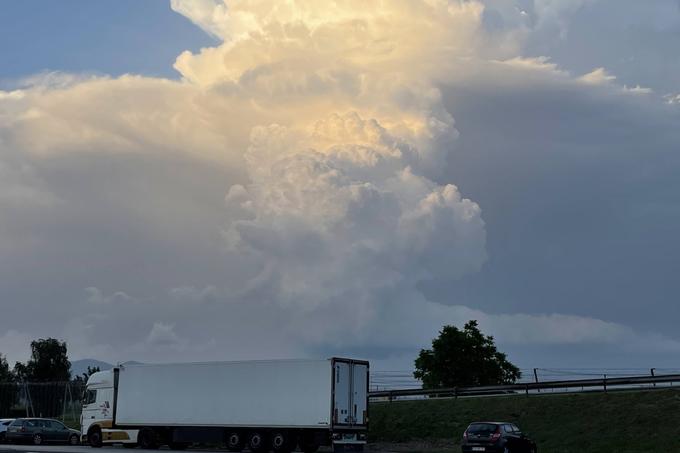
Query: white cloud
96 297
163 334
328 132
598 76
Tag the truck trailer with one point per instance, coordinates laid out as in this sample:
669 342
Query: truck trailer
262 406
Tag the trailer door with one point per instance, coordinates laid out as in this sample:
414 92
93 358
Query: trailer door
342 386
359 393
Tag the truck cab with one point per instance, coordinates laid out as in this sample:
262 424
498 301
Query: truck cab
96 419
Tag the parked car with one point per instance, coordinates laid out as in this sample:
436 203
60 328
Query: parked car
496 437
41 430
4 423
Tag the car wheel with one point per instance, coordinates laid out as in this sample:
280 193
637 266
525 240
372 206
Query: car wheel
74 439
37 439
94 438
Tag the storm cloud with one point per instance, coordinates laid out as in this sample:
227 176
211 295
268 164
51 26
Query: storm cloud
342 179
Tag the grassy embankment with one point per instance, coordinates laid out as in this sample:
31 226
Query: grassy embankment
617 422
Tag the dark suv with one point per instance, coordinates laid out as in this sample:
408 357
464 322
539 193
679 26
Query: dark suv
41 430
496 437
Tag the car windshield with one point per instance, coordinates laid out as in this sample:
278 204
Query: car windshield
482 428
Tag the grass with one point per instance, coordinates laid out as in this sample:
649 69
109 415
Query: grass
621 422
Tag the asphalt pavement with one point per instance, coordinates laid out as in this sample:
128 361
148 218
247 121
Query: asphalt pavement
14 448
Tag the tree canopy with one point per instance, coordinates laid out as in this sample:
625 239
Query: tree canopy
49 362
463 358
6 374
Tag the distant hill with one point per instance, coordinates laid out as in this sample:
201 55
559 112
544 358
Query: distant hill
78 367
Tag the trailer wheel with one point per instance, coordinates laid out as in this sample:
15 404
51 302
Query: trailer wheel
257 442
94 437
235 441
147 439
281 442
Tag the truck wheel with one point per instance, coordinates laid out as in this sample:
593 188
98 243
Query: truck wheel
235 441
37 439
147 439
94 438
257 442
281 442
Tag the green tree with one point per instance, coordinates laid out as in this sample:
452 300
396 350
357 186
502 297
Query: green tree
463 358
8 388
49 362
82 379
6 374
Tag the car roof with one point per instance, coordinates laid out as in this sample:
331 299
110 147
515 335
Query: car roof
36 418
492 423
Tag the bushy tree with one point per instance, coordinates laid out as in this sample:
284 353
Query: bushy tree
49 362
8 388
6 374
48 372
463 358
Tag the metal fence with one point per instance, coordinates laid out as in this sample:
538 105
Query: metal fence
403 379
60 400
604 383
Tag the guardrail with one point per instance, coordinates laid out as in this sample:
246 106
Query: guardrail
603 383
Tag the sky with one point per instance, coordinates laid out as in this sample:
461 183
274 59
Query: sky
206 180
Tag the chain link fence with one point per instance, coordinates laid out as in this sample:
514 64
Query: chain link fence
59 400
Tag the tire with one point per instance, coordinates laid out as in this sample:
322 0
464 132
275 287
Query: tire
94 438
257 442
281 442
147 439
37 439
74 439
235 441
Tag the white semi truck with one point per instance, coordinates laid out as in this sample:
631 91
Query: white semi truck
262 406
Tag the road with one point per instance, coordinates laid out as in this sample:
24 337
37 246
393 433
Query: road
11 448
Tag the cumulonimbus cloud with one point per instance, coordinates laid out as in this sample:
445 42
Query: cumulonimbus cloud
333 123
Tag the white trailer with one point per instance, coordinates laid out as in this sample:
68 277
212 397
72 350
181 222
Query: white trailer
264 406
